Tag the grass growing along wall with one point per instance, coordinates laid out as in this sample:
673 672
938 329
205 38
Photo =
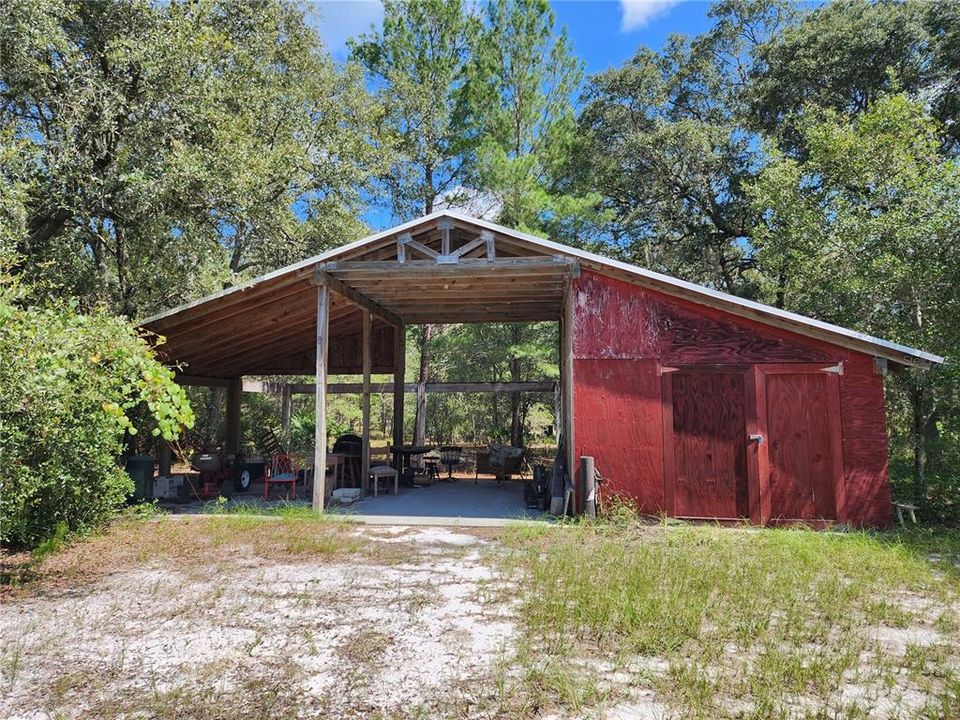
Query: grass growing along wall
731 623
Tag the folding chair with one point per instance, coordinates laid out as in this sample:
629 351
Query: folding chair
282 469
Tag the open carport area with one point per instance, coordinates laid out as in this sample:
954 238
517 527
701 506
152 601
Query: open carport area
346 313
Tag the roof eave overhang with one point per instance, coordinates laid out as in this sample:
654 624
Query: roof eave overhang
896 353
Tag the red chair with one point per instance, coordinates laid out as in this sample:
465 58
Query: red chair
282 469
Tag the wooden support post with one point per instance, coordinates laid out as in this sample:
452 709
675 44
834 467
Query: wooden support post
400 367
286 408
588 493
320 405
566 365
232 440
367 364
488 238
445 227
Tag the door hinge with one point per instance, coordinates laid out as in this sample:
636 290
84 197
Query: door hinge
837 369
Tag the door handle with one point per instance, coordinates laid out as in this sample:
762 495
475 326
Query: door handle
757 438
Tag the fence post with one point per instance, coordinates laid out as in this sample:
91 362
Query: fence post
589 485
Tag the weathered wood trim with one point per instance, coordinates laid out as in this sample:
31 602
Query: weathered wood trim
465 266
356 297
365 399
320 401
669 468
544 386
400 369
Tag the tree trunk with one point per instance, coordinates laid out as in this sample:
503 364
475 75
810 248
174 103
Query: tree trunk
924 428
420 419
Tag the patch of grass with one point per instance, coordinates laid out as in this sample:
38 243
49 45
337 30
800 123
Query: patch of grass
749 622
196 544
281 509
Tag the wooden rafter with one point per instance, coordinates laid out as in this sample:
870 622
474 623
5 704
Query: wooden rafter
356 297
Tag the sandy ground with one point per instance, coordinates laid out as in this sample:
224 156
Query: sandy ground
398 622
328 640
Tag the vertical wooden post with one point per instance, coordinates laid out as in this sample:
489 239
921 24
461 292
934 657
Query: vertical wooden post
399 373
286 407
566 366
320 400
232 440
445 227
367 363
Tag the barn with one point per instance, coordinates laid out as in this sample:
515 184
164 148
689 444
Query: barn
694 403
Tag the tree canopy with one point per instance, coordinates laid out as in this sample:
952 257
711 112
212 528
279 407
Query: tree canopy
805 156
165 148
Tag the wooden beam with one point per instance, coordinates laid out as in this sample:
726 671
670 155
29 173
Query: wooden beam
367 362
356 297
469 247
400 364
422 249
542 386
445 226
467 265
320 402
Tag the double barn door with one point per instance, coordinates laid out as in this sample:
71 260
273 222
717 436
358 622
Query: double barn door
759 442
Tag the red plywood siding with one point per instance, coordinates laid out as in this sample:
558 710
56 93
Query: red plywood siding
614 319
802 481
707 441
617 324
865 449
619 422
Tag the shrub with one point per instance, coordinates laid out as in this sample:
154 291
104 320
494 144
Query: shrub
69 385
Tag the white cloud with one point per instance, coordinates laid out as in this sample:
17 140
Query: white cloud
637 13
338 20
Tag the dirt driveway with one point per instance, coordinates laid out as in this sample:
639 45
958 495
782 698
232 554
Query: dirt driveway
358 622
233 616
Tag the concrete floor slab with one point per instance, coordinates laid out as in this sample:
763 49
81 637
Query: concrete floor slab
463 499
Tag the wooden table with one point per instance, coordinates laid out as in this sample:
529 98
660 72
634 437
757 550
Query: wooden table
405 452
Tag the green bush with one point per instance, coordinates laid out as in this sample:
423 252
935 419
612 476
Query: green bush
69 385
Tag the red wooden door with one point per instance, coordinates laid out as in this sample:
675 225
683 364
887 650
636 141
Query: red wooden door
804 467
705 436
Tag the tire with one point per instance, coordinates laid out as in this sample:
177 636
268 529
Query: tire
244 480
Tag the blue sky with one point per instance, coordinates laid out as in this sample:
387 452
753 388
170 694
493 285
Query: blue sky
604 32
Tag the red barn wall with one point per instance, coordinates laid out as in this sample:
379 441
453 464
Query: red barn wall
623 333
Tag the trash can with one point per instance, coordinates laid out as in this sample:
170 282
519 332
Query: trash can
140 470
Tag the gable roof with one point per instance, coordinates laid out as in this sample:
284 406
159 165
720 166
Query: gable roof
800 324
